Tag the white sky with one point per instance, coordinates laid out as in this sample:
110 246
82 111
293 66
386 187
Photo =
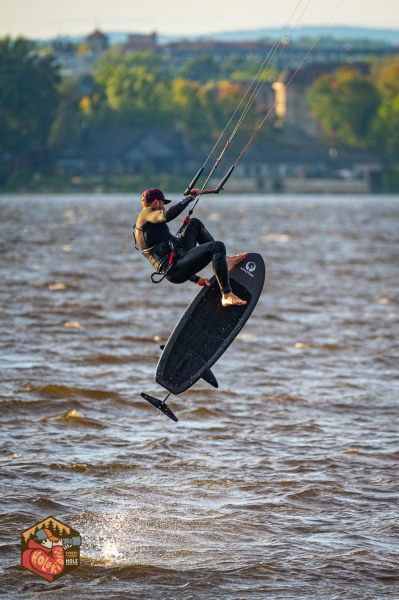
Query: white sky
49 18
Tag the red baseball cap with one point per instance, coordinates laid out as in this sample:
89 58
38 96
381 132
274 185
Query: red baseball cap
154 194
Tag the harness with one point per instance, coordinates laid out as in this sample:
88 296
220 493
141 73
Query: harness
161 256
183 228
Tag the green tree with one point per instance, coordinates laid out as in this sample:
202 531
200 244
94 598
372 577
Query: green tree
243 68
203 68
385 130
385 75
137 96
345 104
66 126
28 101
132 90
115 56
385 126
188 113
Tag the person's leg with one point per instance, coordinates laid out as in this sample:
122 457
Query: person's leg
195 233
197 259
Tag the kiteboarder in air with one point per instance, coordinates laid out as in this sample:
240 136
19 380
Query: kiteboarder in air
179 259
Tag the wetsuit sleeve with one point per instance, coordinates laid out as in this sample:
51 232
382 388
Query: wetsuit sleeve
176 209
194 278
164 216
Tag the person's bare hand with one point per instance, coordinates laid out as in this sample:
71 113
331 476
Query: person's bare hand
195 192
202 281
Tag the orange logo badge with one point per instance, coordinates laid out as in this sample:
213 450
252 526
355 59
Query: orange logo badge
50 549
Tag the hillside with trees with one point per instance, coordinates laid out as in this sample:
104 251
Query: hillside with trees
44 115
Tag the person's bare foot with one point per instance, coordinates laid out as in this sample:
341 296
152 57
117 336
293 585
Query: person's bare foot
232 300
232 261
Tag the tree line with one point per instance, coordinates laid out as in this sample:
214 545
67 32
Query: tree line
42 113
361 110
141 89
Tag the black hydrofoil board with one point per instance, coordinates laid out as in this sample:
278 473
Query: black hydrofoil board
207 329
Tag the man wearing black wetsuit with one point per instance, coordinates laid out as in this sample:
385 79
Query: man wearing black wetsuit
192 252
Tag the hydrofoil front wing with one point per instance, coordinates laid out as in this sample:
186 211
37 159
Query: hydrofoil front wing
160 405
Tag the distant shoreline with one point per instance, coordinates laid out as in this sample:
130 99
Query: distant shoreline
287 185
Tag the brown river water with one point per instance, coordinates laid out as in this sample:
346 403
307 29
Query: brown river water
283 483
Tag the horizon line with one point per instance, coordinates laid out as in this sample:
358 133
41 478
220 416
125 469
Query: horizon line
159 33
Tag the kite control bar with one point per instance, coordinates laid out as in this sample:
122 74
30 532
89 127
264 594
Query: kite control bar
219 187
216 190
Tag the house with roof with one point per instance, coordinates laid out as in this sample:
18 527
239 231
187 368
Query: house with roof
141 41
294 162
74 61
126 151
97 42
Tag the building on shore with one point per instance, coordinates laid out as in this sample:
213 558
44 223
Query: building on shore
264 168
79 59
141 41
294 154
97 42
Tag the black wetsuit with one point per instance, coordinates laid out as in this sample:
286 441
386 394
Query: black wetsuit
193 251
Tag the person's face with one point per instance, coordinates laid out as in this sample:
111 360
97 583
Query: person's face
158 204
47 543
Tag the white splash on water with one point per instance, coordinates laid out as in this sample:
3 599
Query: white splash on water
104 537
110 550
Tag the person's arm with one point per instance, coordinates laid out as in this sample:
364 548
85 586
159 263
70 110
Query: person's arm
164 216
176 209
201 281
